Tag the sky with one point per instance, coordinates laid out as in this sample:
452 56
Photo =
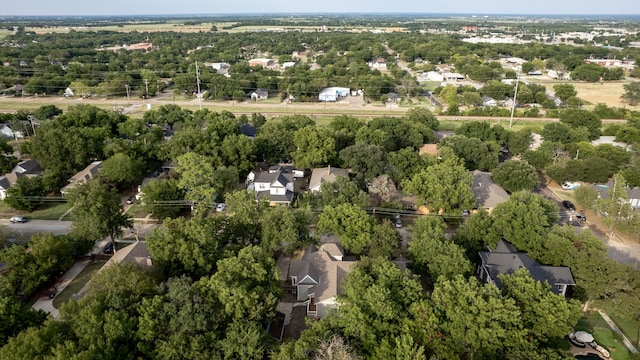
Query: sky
173 7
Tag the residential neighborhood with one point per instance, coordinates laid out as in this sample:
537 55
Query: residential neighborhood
348 187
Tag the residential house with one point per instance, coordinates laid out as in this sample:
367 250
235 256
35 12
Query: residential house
453 77
633 194
275 185
83 176
605 62
259 94
320 176
262 62
534 73
288 64
7 132
611 140
248 130
136 253
506 259
393 98
317 277
488 194
378 63
28 168
434 76
487 101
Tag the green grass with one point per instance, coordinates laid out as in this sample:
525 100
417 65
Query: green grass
51 212
137 211
628 326
593 323
4 33
77 283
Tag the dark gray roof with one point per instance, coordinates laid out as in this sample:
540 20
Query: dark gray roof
506 259
287 198
28 167
632 193
271 177
248 130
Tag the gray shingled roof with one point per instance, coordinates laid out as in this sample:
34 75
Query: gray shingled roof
506 259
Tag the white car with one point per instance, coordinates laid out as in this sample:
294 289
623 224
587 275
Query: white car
570 185
18 219
221 207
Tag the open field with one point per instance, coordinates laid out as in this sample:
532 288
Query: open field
608 92
4 33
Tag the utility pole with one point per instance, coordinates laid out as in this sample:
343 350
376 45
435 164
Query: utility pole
515 94
30 118
146 85
126 87
198 81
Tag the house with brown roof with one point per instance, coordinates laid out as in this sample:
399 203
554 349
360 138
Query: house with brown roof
317 277
83 176
136 253
488 194
328 174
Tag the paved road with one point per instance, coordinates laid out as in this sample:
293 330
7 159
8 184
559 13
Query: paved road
63 227
39 226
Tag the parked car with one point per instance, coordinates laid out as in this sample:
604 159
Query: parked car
51 293
581 217
398 222
221 207
108 249
569 205
567 185
18 219
131 200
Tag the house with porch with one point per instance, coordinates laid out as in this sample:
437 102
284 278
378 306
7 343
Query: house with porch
317 277
275 185
506 259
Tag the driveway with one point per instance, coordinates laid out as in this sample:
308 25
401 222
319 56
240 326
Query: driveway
45 303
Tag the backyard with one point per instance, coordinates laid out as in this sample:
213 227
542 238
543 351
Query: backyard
593 323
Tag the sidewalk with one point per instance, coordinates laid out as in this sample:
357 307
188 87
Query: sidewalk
615 328
45 304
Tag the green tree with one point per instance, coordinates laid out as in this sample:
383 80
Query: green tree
247 285
524 219
564 91
120 169
197 179
367 161
475 153
384 240
431 252
547 316
341 191
631 93
14 316
314 147
577 118
26 193
349 222
475 233
445 185
423 116
284 227
161 198
96 212
379 291
488 328
515 175
240 152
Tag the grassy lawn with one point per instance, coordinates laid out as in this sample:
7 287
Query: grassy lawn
77 284
593 323
51 212
628 326
137 211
